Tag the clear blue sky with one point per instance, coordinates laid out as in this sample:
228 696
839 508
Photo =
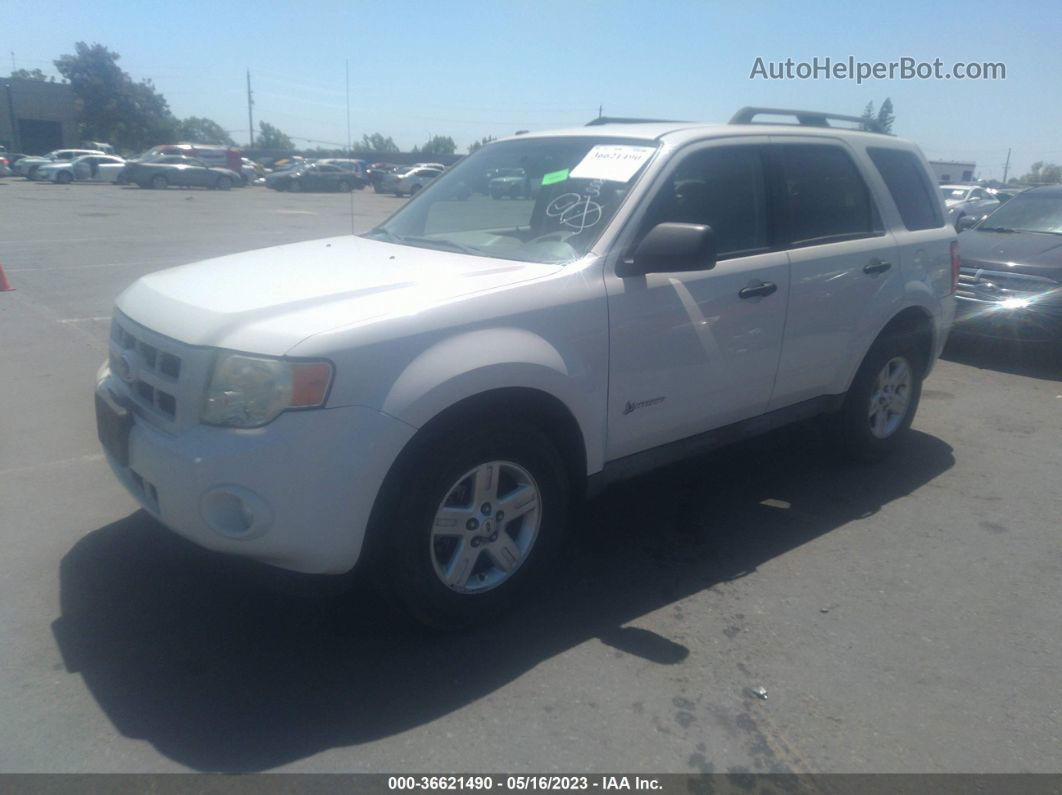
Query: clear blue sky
469 69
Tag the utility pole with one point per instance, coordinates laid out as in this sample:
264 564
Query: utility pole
250 105
1006 167
12 62
600 110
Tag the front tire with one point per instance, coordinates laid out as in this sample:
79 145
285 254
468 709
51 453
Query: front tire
477 520
223 183
344 186
882 401
64 178
295 186
159 182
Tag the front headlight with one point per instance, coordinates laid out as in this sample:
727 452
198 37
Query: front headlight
248 391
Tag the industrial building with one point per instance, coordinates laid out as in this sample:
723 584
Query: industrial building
37 116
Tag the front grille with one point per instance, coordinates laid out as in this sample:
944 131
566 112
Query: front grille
984 285
162 379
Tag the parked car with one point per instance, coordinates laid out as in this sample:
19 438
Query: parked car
1010 284
5 169
161 172
27 166
429 398
213 155
406 183
99 146
967 201
250 171
358 167
87 168
510 182
377 171
315 176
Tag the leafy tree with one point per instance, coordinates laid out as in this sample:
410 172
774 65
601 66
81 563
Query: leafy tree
198 130
439 145
378 143
1042 173
31 74
880 122
131 115
269 137
480 143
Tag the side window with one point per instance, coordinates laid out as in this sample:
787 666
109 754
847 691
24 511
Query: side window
723 187
824 195
910 188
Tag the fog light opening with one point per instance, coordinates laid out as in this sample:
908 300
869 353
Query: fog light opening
235 512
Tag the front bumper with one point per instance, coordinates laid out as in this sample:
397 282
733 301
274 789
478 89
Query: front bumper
1035 321
296 493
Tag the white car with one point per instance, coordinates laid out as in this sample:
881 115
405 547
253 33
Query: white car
968 202
87 168
429 398
27 166
407 183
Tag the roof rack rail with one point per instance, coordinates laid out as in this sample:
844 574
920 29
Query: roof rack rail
806 118
622 120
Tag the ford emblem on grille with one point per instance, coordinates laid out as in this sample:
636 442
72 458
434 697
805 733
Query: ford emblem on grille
127 368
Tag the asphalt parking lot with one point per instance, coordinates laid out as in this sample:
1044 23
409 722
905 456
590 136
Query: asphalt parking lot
901 617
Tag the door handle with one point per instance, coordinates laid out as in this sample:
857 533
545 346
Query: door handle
757 290
876 266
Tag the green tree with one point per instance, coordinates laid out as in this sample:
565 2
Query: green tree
31 74
378 143
112 106
881 121
199 130
269 137
1042 173
475 145
439 145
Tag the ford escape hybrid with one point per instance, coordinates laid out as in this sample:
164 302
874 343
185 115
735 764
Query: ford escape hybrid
431 396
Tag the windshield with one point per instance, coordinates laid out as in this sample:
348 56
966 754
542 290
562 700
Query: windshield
1029 212
954 194
557 197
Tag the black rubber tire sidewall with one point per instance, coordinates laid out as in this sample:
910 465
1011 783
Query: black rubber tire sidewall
852 427
408 568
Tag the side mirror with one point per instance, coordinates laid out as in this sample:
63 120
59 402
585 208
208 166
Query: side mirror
670 248
966 222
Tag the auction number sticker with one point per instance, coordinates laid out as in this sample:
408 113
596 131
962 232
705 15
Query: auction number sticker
614 162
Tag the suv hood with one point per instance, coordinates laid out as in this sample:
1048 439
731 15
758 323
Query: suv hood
269 300
1031 253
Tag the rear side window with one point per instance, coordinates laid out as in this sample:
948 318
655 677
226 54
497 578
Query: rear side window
825 197
915 196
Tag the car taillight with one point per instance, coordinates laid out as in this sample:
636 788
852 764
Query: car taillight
956 263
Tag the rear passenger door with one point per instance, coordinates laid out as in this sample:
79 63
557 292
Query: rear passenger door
842 264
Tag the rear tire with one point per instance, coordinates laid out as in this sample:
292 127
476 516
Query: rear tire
344 186
446 479
64 178
882 401
223 183
295 186
159 182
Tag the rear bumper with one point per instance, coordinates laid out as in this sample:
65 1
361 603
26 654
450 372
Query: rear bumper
296 493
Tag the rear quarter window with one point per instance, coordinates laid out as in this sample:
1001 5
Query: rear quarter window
910 188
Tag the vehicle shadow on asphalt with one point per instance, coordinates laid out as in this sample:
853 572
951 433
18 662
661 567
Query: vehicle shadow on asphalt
1036 359
222 668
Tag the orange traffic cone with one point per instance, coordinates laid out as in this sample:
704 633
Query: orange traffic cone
5 285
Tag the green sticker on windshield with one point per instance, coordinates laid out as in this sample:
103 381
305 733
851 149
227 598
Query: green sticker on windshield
554 177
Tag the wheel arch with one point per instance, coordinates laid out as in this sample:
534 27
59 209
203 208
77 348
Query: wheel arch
914 323
546 412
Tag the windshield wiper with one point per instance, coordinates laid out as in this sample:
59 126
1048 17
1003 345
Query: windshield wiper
379 230
996 229
1038 231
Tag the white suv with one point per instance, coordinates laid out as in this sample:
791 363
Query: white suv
432 396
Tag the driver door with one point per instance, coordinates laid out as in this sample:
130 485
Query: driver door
696 350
